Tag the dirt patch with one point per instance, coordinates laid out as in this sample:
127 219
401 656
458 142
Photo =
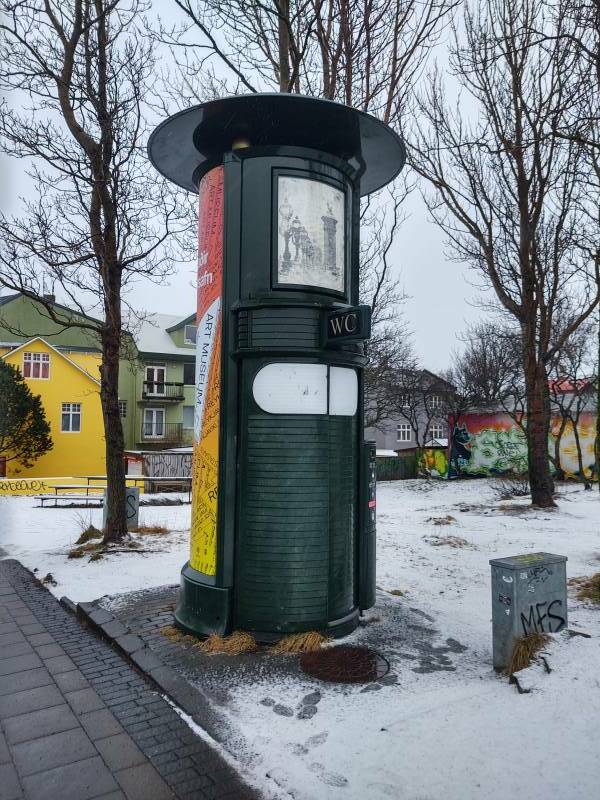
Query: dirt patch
456 542
447 520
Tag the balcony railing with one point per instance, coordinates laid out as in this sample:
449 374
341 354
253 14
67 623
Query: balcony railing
162 390
163 432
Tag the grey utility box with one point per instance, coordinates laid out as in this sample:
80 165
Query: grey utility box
529 595
132 508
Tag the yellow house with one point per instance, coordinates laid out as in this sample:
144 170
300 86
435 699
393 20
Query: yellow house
68 384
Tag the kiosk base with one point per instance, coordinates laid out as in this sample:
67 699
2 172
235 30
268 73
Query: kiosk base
202 609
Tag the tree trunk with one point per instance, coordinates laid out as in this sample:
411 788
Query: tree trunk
116 520
598 409
283 7
538 430
559 471
582 474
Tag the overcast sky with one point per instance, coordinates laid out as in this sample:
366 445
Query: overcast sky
441 296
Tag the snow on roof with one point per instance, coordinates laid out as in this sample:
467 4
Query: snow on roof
383 453
152 336
436 443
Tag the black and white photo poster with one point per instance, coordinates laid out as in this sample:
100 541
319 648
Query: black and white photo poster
310 233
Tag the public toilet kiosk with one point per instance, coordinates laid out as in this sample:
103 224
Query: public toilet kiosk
283 491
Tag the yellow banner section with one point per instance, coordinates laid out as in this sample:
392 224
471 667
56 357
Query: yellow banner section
205 466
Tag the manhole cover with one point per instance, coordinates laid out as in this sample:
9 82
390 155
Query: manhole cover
344 664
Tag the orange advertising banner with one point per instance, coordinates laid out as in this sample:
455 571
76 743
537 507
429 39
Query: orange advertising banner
205 467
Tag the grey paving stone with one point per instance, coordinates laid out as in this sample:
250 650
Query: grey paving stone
119 752
40 638
8 666
8 627
31 679
71 681
4 754
39 723
28 630
118 795
29 700
84 700
48 752
143 782
130 643
24 617
15 649
11 638
100 724
10 786
47 651
59 664
80 781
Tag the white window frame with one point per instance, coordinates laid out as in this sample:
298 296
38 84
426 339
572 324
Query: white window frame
123 409
73 410
406 431
435 401
153 413
187 427
154 380
437 430
405 400
32 357
186 339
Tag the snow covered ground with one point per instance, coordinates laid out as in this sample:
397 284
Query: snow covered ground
456 731
41 537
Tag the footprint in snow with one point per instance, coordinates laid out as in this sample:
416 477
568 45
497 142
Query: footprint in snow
327 777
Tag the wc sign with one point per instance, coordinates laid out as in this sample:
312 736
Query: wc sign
348 325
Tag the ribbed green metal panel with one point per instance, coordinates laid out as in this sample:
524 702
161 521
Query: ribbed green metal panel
343 514
286 328
283 549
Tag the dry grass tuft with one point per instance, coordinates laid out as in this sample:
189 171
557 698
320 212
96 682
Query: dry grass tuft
525 650
455 542
85 549
235 644
89 533
152 530
176 635
300 642
587 588
447 520
397 592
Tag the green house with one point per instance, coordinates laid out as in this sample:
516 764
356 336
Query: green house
162 414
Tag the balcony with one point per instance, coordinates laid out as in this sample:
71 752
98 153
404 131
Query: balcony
161 433
162 391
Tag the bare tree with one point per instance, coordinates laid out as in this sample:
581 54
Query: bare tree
100 220
507 188
367 55
488 371
580 33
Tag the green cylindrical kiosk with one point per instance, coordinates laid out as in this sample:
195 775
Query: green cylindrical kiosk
283 494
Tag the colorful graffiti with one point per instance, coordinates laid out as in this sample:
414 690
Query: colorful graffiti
433 461
493 444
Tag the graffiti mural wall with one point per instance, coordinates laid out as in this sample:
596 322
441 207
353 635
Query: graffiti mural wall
492 444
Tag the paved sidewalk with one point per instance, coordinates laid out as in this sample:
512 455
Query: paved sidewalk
77 721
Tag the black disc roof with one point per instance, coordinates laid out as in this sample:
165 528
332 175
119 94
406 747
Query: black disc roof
185 146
